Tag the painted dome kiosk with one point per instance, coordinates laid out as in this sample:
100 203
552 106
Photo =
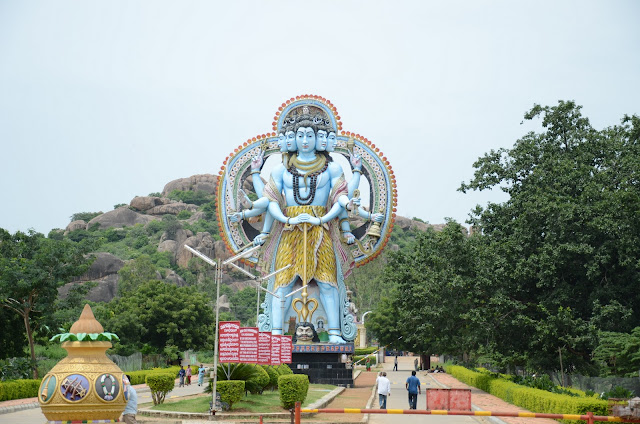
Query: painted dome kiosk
86 386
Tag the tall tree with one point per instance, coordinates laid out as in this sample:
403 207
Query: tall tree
32 268
568 237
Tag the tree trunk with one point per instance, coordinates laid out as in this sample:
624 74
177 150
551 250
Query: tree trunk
27 324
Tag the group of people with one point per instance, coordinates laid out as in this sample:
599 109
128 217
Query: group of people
186 375
384 389
436 369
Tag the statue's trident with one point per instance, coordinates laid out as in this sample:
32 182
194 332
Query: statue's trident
304 313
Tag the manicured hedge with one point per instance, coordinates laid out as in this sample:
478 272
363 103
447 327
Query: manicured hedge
365 350
293 388
534 400
273 376
139 377
262 380
231 391
284 369
19 389
160 385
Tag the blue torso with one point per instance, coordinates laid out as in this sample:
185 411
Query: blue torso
132 403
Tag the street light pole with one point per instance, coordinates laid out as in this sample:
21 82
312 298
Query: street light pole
214 387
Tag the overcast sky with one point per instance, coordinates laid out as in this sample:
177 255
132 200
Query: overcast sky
101 101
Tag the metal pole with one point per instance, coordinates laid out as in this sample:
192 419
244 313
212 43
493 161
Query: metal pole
214 387
258 302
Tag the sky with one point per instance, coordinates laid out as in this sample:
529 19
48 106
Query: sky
102 101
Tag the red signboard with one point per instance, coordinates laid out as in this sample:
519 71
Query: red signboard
286 349
264 348
229 341
275 350
249 345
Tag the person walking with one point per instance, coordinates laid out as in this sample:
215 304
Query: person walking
367 364
189 375
181 375
415 364
395 364
413 387
131 409
384 390
201 375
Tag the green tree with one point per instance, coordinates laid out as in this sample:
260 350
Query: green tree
32 268
135 273
160 314
566 244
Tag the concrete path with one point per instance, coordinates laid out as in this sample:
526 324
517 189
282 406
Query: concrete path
399 398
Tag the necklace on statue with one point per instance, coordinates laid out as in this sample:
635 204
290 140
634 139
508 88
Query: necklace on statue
313 182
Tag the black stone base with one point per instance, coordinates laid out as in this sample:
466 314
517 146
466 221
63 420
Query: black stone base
322 368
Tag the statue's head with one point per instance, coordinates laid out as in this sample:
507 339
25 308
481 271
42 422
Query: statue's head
332 141
282 142
321 141
290 139
305 333
305 139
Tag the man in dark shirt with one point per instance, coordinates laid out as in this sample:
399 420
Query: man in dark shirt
413 387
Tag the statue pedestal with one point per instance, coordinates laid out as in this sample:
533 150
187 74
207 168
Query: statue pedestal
323 363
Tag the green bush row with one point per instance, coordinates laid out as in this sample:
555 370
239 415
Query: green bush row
365 350
139 377
534 400
293 388
19 389
231 391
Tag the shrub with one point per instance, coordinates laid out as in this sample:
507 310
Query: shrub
273 376
365 351
248 373
284 369
185 214
293 388
261 381
231 391
19 389
139 377
160 385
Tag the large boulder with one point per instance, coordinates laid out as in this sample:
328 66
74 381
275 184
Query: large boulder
203 182
144 203
104 264
121 217
411 224
75 225
105 291
202 242
173 277
172 209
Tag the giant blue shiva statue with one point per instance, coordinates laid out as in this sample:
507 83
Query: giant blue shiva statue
307 213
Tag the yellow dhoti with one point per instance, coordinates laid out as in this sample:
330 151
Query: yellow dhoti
321 261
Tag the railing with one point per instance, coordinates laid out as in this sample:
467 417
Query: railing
589 417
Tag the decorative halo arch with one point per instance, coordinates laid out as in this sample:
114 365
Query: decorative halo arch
236 167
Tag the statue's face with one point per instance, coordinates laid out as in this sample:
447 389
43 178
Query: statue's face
306 139
282 142
304 333
290 137
321 142
332 141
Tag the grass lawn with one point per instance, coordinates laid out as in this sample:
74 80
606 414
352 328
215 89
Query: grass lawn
266 402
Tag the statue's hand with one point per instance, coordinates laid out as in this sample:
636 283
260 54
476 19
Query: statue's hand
303 217
349 237
235 217
257 160
377 217
260 239
356 161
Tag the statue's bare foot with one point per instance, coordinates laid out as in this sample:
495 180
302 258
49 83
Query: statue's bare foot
336 339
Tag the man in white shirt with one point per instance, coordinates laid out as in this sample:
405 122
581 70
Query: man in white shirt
384 390
130 411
